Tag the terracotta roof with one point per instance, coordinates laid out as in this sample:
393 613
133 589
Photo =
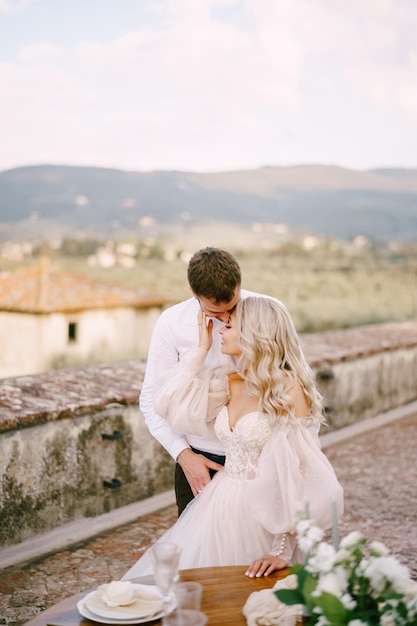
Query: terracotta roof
47 289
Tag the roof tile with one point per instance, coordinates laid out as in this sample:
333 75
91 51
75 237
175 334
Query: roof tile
47 289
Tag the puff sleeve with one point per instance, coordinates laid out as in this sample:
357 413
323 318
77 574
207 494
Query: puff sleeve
189 397
293 472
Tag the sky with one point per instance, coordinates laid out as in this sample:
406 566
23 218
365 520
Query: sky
208 85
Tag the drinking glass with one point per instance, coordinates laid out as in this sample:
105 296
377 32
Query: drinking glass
188 595
185 617
165 560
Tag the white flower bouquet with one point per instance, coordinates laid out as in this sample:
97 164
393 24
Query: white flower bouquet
338 585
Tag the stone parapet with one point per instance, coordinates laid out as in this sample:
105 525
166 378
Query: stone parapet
30 400
66 393
364 371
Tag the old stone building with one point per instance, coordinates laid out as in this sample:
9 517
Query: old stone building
50 317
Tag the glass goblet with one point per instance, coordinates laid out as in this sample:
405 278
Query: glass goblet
165 560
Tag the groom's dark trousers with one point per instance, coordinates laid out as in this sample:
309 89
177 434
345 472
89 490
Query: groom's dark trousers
183 493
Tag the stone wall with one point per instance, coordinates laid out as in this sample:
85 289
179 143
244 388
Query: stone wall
74 445
78 467
364 371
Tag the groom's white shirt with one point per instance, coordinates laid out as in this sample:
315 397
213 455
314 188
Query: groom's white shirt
175 335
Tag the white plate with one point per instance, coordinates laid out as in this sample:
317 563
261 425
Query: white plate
148 602
85 612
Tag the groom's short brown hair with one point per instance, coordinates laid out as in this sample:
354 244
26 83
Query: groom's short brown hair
214 274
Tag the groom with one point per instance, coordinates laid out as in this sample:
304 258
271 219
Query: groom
214 277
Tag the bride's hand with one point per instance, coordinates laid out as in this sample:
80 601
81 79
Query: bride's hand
265 566
205 331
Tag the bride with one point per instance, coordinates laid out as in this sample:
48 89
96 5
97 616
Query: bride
268 417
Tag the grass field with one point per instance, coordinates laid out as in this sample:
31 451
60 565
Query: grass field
320 292
330 287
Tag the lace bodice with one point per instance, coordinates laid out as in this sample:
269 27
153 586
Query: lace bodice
244 443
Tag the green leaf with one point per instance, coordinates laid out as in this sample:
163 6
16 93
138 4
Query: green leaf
303 576
289 596
332 608
309 585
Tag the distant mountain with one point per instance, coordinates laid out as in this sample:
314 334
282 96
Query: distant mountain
326 200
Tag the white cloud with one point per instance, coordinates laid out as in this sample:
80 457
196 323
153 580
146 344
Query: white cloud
41 50
215 82
7 72
393 86
12 6
198 62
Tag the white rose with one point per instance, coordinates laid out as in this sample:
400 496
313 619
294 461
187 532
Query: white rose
410 591
323 560
308 535
386 570
348 602
387 619
332 583
343 555
378 549
351 540
118 593
303 526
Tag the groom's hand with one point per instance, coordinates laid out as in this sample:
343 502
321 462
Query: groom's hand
196 469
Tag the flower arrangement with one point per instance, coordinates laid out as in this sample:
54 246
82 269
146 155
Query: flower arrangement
338 585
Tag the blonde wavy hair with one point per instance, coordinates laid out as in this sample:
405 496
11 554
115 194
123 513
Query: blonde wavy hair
271 358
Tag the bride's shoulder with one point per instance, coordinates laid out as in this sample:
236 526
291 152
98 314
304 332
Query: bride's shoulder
296 393
291 423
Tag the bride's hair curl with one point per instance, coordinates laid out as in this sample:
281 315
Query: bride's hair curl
271 358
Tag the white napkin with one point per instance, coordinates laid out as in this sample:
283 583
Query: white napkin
118 593
263 608
147 601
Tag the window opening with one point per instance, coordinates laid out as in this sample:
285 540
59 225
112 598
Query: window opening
72 332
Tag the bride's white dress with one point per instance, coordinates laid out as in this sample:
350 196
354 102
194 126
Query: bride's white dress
273 470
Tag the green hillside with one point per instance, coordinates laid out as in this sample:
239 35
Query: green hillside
325 200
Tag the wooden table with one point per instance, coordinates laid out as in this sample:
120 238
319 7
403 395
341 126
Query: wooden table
225 591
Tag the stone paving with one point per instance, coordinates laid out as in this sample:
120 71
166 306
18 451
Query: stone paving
377 469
